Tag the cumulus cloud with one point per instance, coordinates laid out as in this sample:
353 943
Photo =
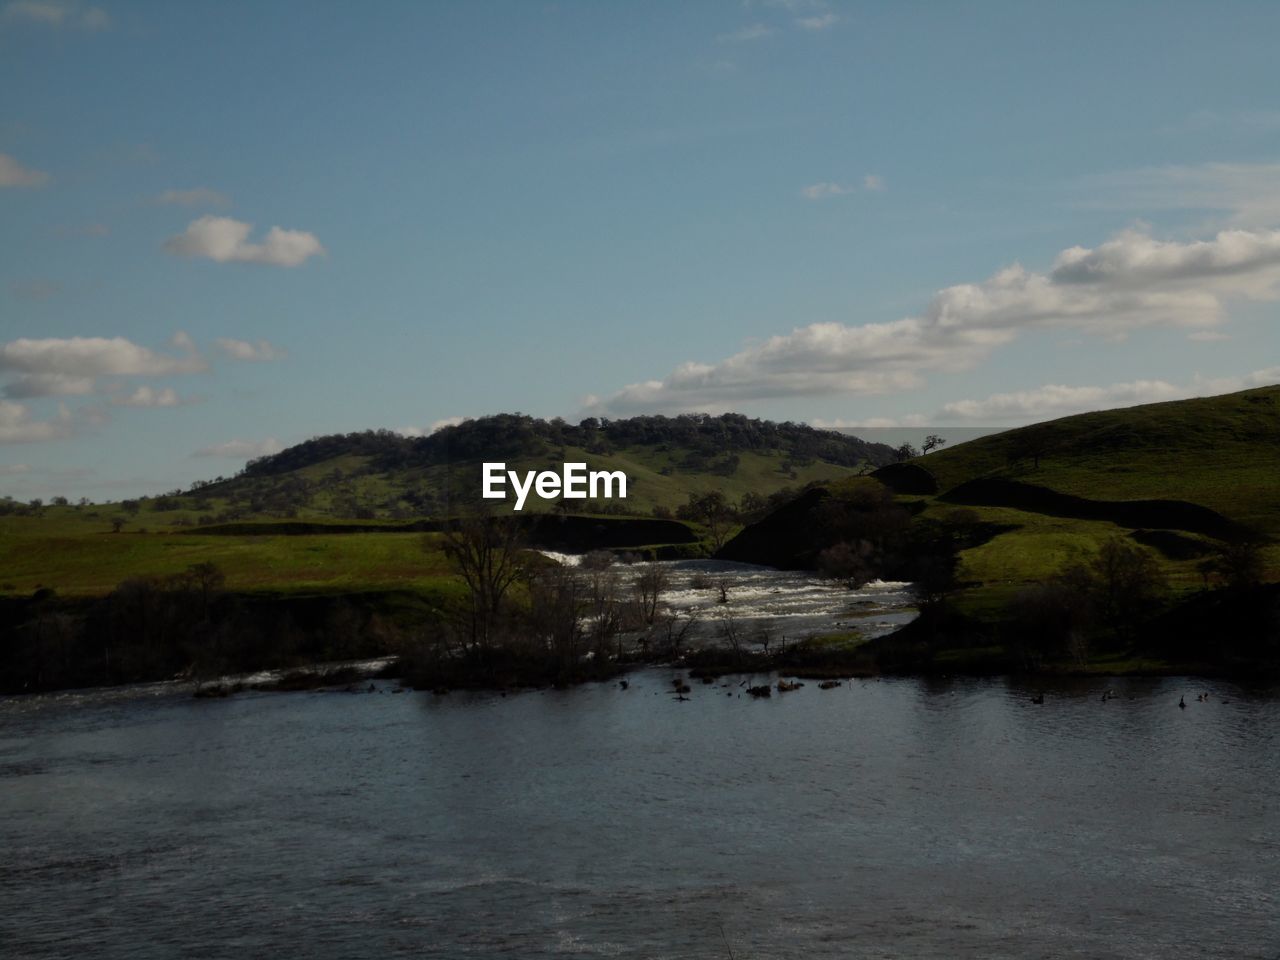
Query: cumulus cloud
49 385
196 197
52 13
245 350
1057 400
225 240
1128 283
241 449
17 425
96 356
873 182
14 174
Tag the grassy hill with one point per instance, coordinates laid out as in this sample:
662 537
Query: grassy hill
378 479
1219 452
1186 483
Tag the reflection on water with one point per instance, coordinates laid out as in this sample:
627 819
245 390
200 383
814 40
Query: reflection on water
878 819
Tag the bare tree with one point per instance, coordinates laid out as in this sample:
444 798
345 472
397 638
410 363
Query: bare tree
932 442
486 551
649 587
556 603
730 634
605 608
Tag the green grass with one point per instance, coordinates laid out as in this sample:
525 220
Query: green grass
74 558
1221 452
840 640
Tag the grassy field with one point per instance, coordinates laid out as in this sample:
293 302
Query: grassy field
75 556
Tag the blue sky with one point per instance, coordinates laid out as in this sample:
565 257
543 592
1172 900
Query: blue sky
227 227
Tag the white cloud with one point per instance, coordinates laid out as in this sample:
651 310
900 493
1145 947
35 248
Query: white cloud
227 241
14 174
1208 336
820 191
1128 283
754 31
196 197
822 21
49 385
244 350
14 469
1057 400
241 449
446 422
52 13
96 356
18 426
878 423
145 396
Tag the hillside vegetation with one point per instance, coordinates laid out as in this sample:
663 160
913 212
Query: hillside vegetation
365 498
1012 536
1219 452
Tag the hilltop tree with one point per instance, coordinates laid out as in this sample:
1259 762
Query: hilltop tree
932 442
905 452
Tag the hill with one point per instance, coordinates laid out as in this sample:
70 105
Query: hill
383 475
1221 453
348 511
1188 484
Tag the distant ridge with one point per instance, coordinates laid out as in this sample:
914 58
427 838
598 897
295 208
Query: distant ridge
383 475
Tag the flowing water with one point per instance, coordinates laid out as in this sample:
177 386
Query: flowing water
761 602
895 818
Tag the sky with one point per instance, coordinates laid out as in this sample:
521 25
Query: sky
226 227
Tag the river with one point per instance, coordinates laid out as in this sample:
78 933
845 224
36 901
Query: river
895 818
762 603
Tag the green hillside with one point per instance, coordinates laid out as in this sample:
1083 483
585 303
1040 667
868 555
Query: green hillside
1220 452
380 479
1030 534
